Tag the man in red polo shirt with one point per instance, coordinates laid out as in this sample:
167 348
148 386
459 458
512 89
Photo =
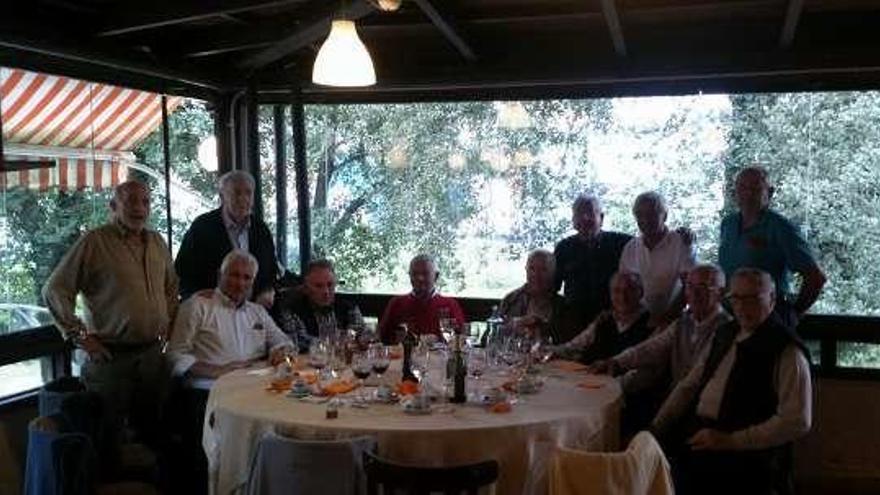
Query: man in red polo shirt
421 308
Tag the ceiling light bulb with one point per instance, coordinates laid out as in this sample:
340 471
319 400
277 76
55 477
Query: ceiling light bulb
343 60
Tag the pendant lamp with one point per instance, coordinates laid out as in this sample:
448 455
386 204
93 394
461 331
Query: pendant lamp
343 60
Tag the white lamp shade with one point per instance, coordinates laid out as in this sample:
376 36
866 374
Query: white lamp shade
343 60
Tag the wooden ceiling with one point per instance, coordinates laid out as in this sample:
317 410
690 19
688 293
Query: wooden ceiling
460 49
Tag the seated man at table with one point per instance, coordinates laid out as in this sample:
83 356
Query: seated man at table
216 332
421 309
622 327
729 424
313 310
535 307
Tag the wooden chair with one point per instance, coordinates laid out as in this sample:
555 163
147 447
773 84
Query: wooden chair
397 479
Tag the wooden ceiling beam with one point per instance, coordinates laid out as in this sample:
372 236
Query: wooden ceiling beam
790 24
609 10
304 36
447 26
190 14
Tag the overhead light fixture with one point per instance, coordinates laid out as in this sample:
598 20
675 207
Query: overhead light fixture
387 5
513 115
343 60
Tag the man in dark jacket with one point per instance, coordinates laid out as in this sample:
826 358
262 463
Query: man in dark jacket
729 424
313 311
214 234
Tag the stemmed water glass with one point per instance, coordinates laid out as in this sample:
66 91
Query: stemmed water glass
319 355
421 360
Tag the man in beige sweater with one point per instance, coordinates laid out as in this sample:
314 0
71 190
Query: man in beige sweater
124 272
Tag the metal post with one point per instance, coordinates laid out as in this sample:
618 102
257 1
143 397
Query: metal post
223 133
280 184
252 123
298 121
166 152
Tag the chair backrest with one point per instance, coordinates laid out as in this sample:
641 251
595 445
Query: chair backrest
396 479
54 392
58 463
641 468
288 466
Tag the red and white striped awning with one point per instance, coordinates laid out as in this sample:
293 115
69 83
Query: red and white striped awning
68 174
41 110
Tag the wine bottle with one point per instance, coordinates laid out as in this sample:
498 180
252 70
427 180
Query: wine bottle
460 372
409 343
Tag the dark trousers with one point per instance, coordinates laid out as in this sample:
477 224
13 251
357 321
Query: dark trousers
187 465
134 386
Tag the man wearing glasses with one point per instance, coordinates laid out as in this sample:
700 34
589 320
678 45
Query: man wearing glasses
729 424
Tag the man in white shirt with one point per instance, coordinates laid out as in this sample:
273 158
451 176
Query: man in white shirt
660 256
216 332
220 331
729 424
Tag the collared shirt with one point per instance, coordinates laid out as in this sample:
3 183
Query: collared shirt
585 338
520 303
214 330
678 346
793 388
773 244
660 268
584 270
238 232
129 288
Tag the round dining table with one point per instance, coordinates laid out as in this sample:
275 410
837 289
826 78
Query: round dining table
571 409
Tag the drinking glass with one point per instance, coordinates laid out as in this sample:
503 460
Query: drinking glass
361 367
379 358
319 355
421 360
477 363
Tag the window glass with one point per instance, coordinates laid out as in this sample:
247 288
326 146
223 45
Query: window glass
857 355
480 184
26 375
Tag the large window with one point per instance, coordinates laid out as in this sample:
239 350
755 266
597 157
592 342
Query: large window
480 184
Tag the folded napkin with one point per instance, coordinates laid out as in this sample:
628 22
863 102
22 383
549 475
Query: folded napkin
590 384
565 365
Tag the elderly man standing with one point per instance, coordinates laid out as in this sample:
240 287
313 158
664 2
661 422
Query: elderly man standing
585 261
622 327
217 332
315 311
123 271
759 237
660 256
232 226
535 307
730 422
422 308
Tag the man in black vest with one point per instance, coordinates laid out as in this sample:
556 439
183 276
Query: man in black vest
613 331
214 234
313 311
729 424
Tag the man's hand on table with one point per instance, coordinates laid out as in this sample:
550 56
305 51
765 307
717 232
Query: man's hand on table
94 348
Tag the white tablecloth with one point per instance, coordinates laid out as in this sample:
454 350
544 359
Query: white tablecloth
240 411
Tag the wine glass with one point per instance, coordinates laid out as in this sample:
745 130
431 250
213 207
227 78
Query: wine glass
477 362
379 359
447 327
421 360
361 367
318 355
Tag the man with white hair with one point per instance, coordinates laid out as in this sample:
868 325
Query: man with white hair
660 256
217 332
123 272
757 236
422 308
232 226
586 261
535 306
729 424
